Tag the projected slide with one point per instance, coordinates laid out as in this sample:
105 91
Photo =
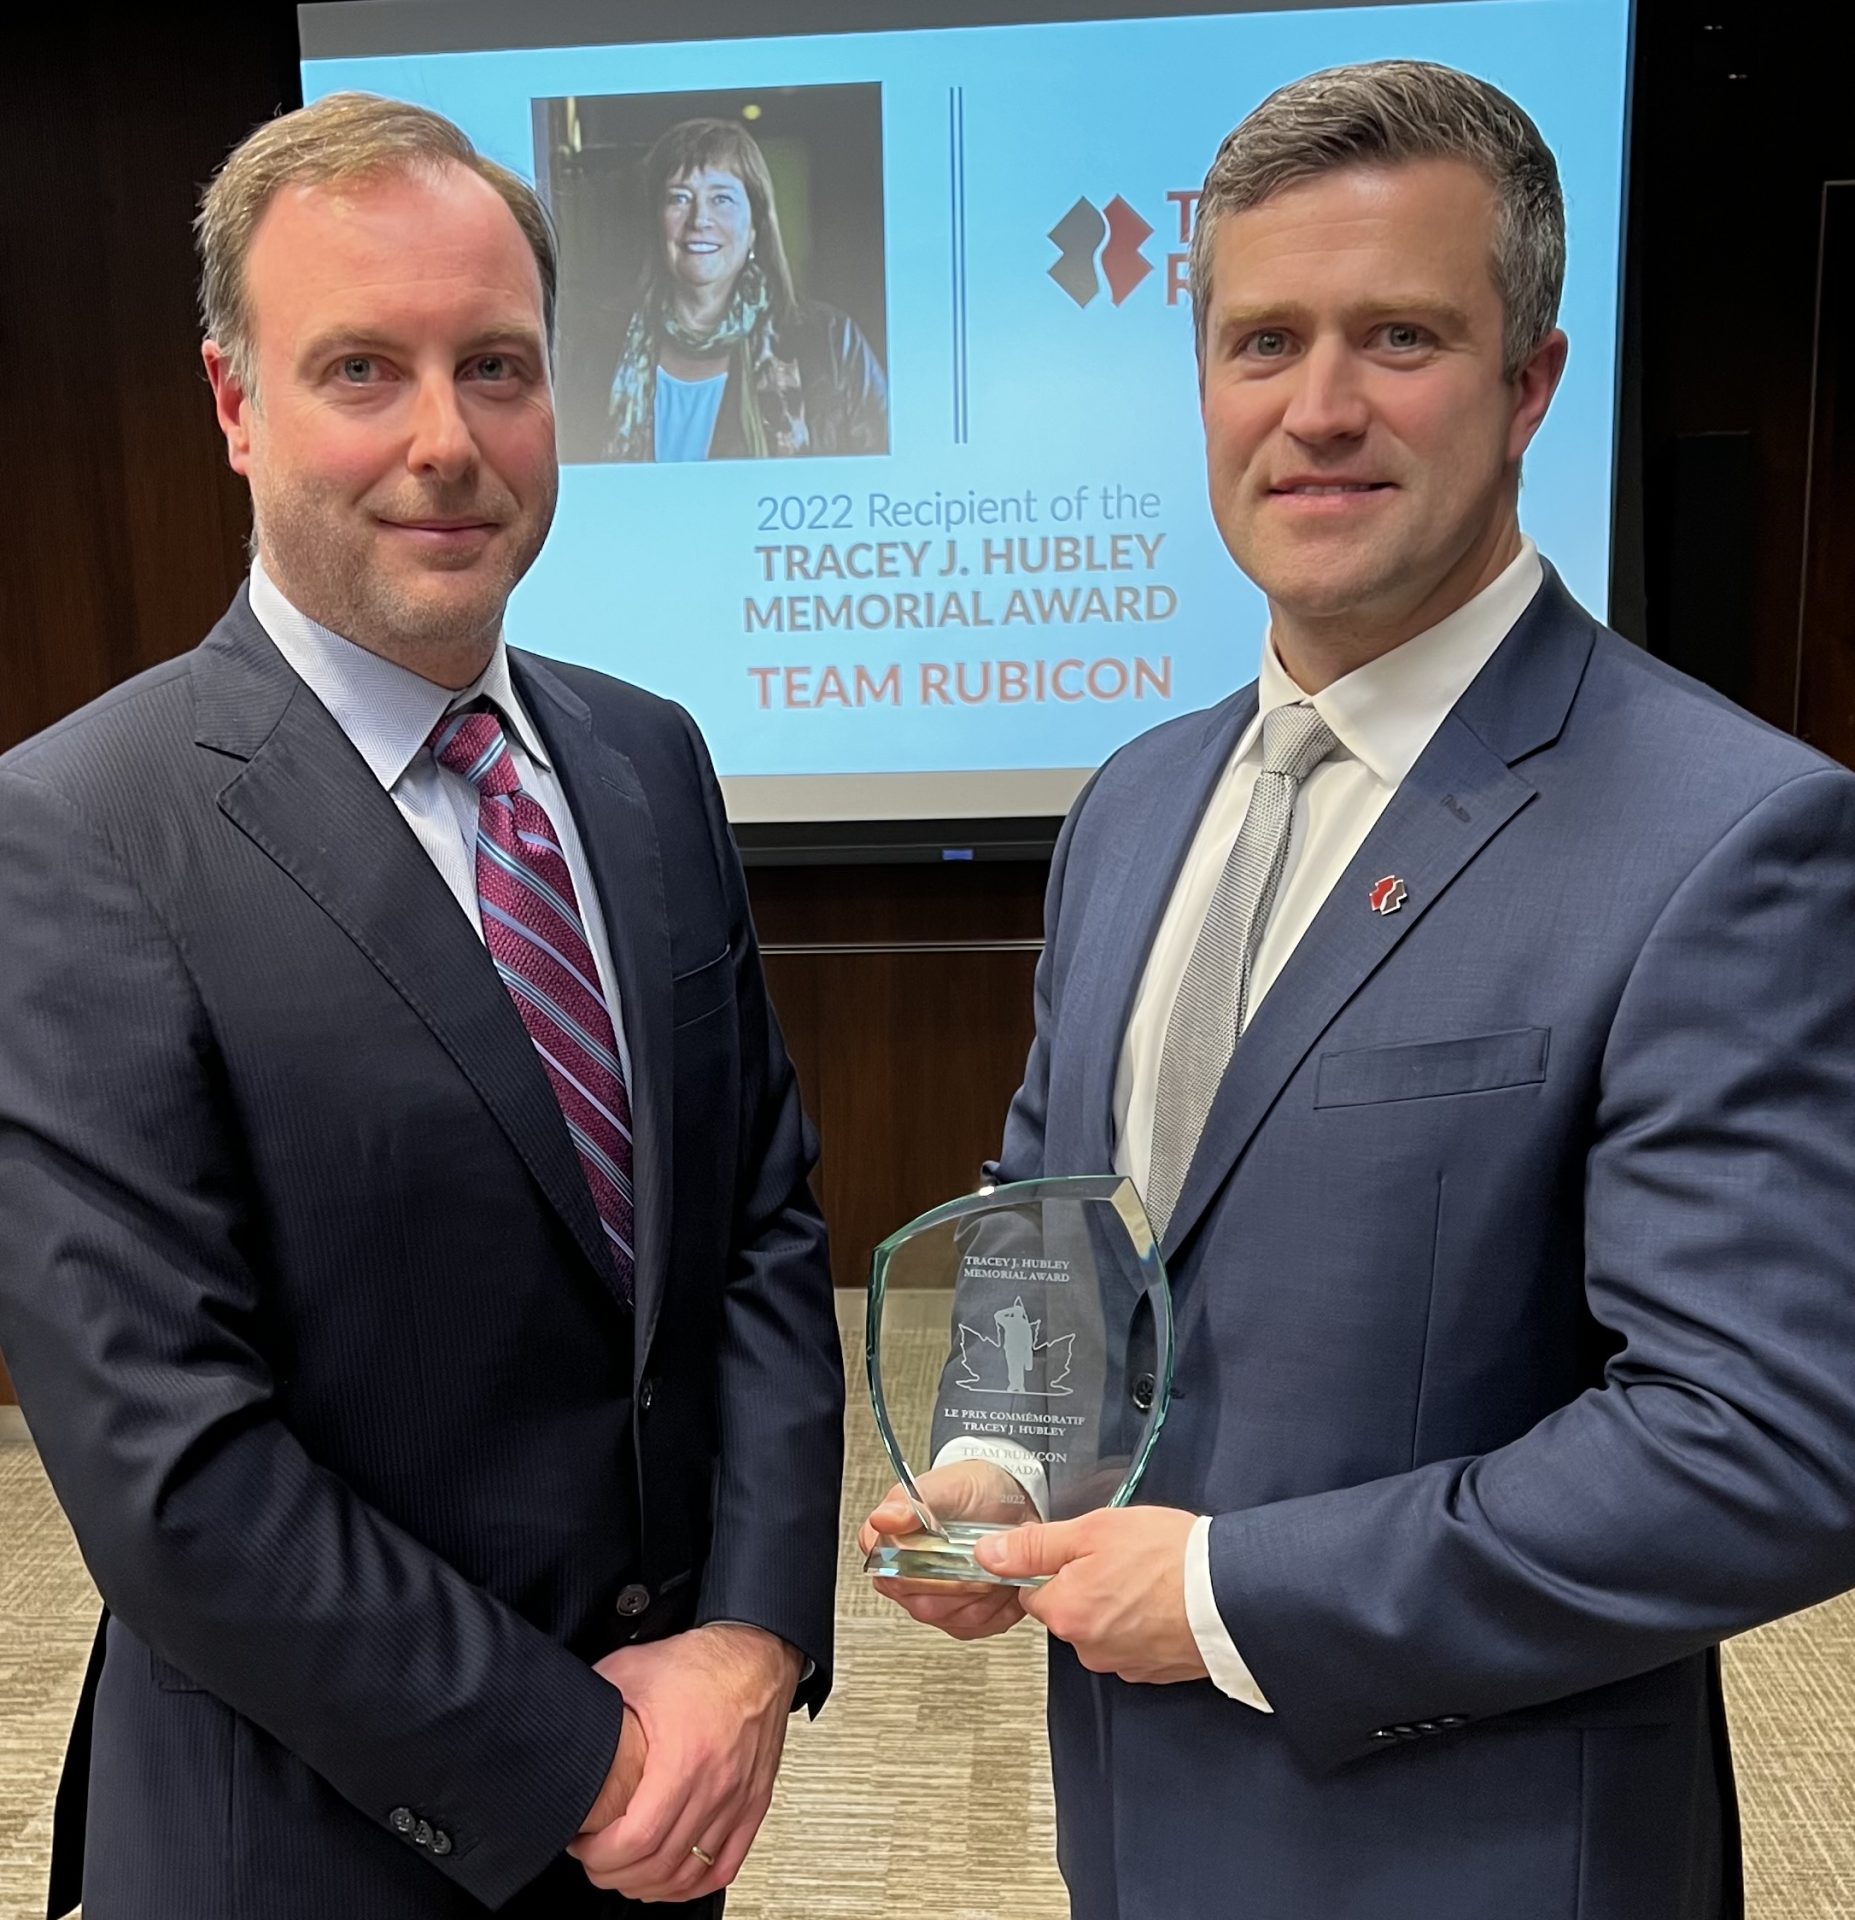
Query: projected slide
875 378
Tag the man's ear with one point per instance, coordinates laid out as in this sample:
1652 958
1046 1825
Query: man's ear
1534 386
232 404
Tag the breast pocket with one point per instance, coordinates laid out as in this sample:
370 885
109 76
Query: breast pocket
1429 1069
702 990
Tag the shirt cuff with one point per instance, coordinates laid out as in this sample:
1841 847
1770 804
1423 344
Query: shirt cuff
1023 1466
1219 1652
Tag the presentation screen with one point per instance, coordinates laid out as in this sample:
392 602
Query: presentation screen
877 397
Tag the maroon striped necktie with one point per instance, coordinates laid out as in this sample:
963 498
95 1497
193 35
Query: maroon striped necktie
533 929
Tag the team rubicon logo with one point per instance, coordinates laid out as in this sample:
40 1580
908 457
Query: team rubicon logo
1080 235
1388 894
1094 244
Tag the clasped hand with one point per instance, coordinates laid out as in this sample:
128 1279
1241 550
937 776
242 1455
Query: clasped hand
705 1723
1113 1581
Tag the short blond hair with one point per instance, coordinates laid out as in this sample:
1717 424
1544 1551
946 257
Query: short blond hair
1385 113
343 137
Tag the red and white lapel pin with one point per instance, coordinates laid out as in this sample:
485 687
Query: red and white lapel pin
1388 894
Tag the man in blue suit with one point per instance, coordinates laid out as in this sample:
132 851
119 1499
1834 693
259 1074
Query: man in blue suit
1471 1000
406 1257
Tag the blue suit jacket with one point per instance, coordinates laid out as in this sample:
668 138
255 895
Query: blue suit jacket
311 1313
1515 1280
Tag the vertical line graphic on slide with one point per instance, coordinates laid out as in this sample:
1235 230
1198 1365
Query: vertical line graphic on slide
956 189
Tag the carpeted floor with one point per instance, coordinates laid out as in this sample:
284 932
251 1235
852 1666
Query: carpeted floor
928 1768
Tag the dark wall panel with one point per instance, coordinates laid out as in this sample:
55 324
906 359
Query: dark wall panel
125 530
905 995
1740 117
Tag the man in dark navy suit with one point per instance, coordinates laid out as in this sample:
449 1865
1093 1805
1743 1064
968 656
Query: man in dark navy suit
406 1256
1469 998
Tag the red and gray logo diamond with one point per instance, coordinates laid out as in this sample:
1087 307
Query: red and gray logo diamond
1079 237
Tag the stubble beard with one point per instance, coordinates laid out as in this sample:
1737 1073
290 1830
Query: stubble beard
1344 582
323 557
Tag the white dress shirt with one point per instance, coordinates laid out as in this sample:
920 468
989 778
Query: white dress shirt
388 712
1383 715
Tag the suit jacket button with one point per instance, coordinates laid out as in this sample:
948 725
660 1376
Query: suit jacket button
633 1601
1383 1733
646 1394
1451 1720
1429 1726
401 1817
422 1834
1143 1392
441 1842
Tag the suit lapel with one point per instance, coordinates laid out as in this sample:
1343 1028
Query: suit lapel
1133 881
308 800
619 838
1458 796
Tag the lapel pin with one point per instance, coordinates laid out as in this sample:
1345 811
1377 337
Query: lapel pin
1388 894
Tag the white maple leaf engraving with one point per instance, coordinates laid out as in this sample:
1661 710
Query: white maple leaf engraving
1014 1353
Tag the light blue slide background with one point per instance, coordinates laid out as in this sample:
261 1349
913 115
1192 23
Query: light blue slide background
648 568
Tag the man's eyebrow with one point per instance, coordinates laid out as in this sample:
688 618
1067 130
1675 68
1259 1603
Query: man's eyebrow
347 340
1442 313
521 333
359 340
1243 319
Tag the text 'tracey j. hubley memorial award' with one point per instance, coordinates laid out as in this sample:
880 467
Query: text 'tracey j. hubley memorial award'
1020 1346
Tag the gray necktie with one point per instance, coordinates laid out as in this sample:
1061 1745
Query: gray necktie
1214 996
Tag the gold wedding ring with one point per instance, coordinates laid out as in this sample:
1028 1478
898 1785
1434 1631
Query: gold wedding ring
703 1854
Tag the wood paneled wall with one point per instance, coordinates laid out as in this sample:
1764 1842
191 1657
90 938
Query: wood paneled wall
124 529
905 994
905 991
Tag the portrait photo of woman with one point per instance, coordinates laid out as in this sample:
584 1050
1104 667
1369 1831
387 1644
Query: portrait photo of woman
721 358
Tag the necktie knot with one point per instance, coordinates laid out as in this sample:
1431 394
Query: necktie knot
473 743
1295 740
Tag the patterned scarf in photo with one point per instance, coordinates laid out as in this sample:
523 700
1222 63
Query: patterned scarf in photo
772 408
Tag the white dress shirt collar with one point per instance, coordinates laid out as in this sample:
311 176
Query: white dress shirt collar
386 710
1385 712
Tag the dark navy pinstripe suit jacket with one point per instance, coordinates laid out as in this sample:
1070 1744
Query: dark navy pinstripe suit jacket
310 1312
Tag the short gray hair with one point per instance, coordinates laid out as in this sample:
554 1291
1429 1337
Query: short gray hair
1383 114
343 137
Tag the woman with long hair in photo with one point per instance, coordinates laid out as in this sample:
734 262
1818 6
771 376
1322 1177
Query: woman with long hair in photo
722 360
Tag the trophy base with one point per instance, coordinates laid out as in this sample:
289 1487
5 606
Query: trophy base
920 1556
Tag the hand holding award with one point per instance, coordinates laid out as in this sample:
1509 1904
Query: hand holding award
1020 1360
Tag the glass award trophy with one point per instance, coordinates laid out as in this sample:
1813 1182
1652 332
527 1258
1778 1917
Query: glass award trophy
1020 1348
